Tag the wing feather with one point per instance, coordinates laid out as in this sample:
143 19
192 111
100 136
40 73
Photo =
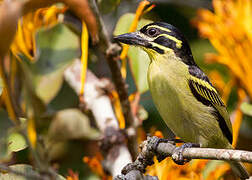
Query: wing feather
204 92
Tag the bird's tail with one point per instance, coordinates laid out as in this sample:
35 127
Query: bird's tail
239 169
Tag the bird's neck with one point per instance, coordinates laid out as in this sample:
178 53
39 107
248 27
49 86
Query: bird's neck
169 65
157 57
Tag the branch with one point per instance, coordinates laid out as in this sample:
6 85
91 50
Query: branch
112 57
149 149
19 173
135 175
116 154
94 97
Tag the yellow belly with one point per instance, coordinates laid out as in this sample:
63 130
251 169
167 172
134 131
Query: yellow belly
188 118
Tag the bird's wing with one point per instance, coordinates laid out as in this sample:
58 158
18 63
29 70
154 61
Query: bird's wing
204 92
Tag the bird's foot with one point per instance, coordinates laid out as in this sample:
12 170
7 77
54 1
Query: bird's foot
157 140
177 155
154 142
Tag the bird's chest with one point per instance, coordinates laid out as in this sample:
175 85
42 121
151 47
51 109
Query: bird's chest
168 88
170 93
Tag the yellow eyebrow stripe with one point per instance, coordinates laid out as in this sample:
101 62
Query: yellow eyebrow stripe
158 27
178 42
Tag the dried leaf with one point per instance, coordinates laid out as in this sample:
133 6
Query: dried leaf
9 14
82 10
11 11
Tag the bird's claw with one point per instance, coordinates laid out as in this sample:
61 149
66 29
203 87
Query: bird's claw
154 142
177 155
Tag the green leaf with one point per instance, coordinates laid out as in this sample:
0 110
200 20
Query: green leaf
123 24
34 105
16 142
5 125
107 6
57 47
139 60
25 169
246 108
71 124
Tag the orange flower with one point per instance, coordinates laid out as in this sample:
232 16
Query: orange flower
72 175
95 165
229 29
168 170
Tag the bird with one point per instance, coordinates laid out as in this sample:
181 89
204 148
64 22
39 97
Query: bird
183 94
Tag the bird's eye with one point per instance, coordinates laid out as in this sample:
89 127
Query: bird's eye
152 32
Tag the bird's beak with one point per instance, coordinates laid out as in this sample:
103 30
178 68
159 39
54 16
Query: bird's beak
132 39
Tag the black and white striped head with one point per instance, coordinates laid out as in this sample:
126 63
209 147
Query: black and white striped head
161 38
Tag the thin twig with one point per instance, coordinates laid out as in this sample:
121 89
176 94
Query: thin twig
151 148
112 53
19 173
112 57
207 153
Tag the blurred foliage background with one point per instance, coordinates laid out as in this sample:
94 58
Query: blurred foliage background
47 122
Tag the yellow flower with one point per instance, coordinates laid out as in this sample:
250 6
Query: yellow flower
24 41
167 169
229 29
